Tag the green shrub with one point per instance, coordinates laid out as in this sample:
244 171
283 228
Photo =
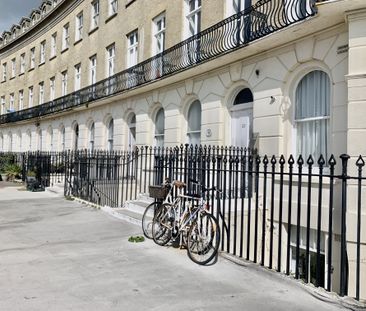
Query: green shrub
31 173
12 171
5 160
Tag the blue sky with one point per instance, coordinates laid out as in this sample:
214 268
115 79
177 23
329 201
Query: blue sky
11 11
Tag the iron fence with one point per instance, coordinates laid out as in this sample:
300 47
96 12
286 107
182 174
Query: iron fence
262 19
297 216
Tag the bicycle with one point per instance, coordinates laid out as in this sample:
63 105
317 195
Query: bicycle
163 194
191 221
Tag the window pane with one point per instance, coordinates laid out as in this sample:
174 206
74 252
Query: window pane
312 138
313 101
313 95
194 117
159 123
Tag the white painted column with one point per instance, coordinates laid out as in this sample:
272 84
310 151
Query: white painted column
356 141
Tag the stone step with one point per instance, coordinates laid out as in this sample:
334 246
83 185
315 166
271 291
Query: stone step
137 206
124 214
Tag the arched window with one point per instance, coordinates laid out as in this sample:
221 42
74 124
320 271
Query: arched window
10 141
312 113
20 141
29 134
194 123
132 132
76 136
159 128
62 138
91 136
110 134
244 96
51 138
39 140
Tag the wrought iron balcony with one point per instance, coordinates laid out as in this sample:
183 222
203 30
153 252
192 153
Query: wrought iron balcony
237 31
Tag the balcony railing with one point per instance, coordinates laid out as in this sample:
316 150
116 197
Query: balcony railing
260 20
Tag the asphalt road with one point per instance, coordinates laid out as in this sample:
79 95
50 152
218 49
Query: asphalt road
61 255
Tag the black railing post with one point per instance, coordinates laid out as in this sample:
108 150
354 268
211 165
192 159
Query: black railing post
332 163
24 172
344 260
360 164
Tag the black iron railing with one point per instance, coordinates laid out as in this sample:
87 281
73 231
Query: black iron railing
300 216
264 18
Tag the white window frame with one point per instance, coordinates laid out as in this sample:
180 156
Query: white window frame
11 103
4 72
41 93
29 134
110 64
159 137
63 138
54 44
13 68
300 121
159 26
51 139
112 7
22 63
30 97
52 88
110 135
192 16
79 25
93 69
32 58
77 82
63 83
42 53
40 140
91 136
21 100
132 48
193 132
235 6
66 37
3 103
94 21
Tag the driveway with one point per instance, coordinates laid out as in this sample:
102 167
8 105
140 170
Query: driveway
61 255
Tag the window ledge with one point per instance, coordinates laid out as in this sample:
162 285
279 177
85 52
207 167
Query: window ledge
111 17
21 74
41 64
30 69
3 81
53 57
64 50
78 41
93 30
11 78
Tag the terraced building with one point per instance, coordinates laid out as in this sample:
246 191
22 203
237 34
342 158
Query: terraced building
283 76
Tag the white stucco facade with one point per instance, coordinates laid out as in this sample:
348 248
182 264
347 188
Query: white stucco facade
332 42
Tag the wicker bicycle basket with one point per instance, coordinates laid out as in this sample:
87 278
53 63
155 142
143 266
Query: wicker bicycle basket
158 192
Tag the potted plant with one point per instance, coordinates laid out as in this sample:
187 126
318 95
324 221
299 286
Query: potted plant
31 180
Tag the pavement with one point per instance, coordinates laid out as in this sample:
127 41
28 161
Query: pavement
57 254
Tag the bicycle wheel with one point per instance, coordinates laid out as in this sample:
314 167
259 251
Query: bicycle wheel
147 219
203 239
163 223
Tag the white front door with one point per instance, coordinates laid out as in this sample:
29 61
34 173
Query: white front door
241 127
